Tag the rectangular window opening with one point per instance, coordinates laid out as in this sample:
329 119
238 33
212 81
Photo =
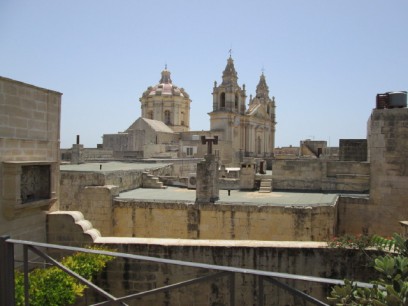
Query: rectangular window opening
35 183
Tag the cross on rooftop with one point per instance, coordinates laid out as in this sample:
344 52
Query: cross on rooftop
209 141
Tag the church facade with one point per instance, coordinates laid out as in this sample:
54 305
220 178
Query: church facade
243 130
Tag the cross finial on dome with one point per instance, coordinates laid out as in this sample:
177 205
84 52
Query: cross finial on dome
230 52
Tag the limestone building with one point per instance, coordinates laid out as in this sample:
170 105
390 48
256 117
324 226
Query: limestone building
29 158
243 132
148 137
165 108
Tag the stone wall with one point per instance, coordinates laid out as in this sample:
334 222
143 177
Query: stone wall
354 216
184 220
321 175
353 150
92 192
388 147
29 148
386 206
297 174
119 142
125 276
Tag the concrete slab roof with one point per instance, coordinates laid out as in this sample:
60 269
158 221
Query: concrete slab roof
235 197
110 166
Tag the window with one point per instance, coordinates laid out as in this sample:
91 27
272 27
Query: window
236 101
189 151
28 184
222 100
182 118
35 183
150 115
167 117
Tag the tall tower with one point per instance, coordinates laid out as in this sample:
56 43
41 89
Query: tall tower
228 113
167 103
262 100
229 97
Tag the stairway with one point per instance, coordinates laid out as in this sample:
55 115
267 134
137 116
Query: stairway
265 186
151 181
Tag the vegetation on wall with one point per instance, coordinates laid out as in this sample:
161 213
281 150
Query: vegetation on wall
52 286
391 288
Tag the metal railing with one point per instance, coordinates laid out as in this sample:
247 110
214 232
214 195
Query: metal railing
7 289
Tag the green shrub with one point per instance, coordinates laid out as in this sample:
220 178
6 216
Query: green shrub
52 286
391 289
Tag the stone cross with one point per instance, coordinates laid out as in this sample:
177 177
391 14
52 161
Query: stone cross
209 141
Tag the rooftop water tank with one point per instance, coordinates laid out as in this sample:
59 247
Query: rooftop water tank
391 99
397 99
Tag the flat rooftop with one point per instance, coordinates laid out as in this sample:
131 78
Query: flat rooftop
110 166
235 197
183 194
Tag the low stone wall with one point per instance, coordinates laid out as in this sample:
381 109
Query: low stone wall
125 276
92 192
355 216
321 175
361 215
228 183
186 220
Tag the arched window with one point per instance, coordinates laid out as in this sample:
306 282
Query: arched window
167 117
236 101
150 115
222 100
268 109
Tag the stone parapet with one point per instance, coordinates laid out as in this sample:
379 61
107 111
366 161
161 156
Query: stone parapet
182 219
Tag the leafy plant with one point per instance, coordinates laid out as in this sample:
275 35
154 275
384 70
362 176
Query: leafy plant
52 286
396 244
391 289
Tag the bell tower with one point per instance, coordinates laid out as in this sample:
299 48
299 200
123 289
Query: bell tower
262 97
228 96
228 116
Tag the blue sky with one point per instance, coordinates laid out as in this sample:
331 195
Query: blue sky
324 61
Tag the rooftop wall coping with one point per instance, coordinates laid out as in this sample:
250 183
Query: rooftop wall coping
29 85
212 243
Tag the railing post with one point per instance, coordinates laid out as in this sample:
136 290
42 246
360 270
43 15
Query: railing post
26 281
260 290
232 288
6 272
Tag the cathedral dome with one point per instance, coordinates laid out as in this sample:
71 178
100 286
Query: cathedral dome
165 87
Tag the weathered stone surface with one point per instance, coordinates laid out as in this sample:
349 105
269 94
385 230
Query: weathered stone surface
29 153
125 276
181 219
207 190
321 175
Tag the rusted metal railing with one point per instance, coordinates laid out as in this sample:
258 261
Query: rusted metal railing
7 289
